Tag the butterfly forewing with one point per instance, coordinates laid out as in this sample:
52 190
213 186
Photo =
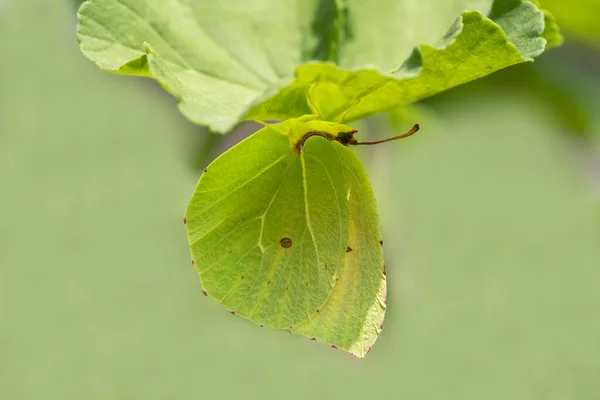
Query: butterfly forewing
270 246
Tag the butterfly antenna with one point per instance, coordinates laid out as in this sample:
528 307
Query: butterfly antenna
412 130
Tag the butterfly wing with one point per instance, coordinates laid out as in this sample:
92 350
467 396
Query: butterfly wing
268 228
352 317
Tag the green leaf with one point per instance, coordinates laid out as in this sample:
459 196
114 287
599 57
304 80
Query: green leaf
473 47
551 30
215 71
258 65
384 33
283 230
578 18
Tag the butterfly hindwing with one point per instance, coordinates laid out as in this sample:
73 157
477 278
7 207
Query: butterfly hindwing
352 318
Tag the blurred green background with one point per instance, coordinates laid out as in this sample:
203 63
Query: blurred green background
490 216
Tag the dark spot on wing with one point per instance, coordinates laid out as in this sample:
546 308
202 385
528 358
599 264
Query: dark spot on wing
232 312
205 170
333 346
204 292
348 249
381 242
312 338
317 310
384 270
184 221
193 262
286 242
262 325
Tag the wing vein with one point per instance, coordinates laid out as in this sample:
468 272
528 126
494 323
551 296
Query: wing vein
264 216
306 208
258 174
220 240
229 270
